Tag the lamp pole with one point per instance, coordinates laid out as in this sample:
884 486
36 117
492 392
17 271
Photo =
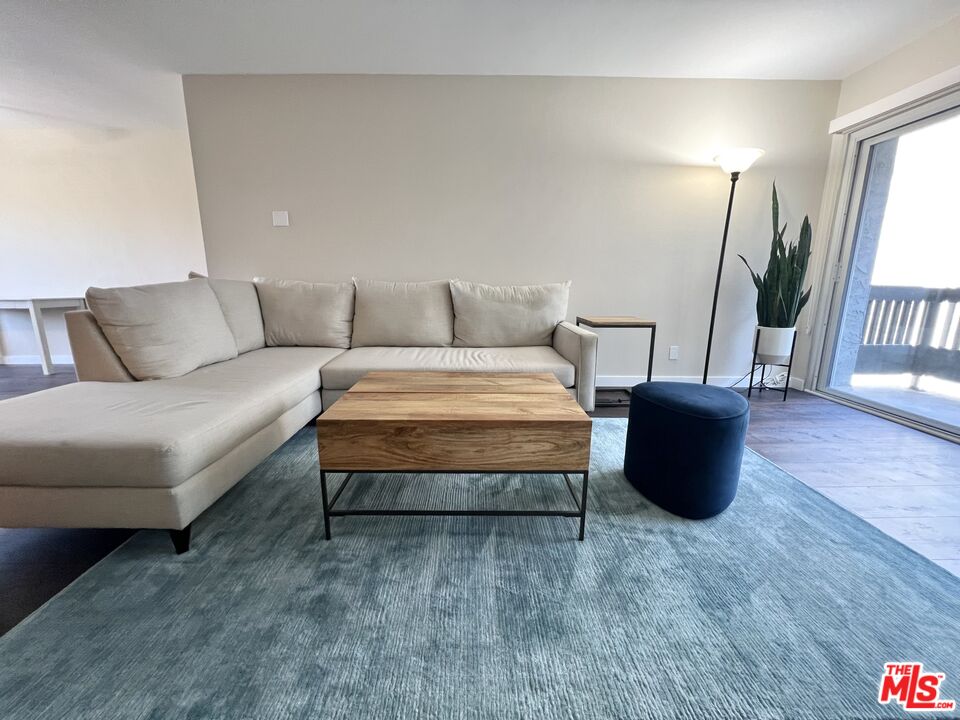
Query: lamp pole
734 176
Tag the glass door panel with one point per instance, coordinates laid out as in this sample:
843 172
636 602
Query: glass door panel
897 334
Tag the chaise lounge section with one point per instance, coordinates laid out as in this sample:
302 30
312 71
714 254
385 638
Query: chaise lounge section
186 387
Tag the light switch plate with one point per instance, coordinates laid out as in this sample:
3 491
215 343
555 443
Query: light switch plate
281 218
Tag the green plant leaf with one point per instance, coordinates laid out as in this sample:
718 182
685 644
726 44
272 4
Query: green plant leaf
803 300
779 290
776 209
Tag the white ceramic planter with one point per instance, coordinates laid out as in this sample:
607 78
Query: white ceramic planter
774 344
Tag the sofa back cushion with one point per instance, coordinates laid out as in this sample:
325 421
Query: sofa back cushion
241 308
305 313
508 315
405 314
165 330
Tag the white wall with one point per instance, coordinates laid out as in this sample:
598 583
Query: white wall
82 205
17 344
930 55
606 182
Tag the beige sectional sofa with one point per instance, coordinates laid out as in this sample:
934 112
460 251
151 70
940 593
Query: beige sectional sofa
186 387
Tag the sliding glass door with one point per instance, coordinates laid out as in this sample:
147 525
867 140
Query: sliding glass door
894 332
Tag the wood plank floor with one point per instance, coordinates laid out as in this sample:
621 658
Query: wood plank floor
903 481
22 379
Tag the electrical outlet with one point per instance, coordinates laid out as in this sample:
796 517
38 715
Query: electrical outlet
674 352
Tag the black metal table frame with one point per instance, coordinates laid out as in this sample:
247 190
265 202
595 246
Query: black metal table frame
652 327
330 512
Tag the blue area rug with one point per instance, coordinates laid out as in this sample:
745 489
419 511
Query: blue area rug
785 606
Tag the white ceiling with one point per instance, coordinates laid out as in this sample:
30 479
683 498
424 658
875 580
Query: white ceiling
97 61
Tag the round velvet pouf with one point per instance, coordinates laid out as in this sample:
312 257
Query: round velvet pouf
684 446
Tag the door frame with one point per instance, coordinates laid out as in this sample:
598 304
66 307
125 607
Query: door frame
854 150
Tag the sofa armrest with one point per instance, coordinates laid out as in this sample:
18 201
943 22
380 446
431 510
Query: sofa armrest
579 347
93 355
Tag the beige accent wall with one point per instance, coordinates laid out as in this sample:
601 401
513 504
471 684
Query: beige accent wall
931 54
605 182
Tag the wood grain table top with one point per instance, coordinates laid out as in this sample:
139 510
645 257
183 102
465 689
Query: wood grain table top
503 398
458 382
614 321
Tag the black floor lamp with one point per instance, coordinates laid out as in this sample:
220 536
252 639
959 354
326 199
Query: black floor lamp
733 161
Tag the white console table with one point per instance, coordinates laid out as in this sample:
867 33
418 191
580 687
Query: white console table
36 306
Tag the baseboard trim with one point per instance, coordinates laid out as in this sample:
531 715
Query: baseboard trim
611 381
34 359
620 381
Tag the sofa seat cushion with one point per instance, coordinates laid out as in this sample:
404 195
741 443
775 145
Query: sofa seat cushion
344 370
156 433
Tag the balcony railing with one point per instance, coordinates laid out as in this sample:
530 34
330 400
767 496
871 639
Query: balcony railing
911 330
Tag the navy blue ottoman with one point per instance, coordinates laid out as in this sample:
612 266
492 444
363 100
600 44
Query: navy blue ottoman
684 446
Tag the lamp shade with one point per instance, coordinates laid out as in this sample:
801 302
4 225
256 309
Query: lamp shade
737 160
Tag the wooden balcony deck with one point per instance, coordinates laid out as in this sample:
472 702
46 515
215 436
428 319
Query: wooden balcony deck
911 330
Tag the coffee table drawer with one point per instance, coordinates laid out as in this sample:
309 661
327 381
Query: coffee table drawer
527 446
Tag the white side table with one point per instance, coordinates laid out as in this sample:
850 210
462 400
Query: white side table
36 306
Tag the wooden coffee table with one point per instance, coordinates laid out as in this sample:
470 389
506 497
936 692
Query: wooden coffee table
444 422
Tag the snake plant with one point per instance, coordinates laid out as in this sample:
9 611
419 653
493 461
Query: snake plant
780 296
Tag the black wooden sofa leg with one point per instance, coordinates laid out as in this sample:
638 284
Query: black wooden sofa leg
181 539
